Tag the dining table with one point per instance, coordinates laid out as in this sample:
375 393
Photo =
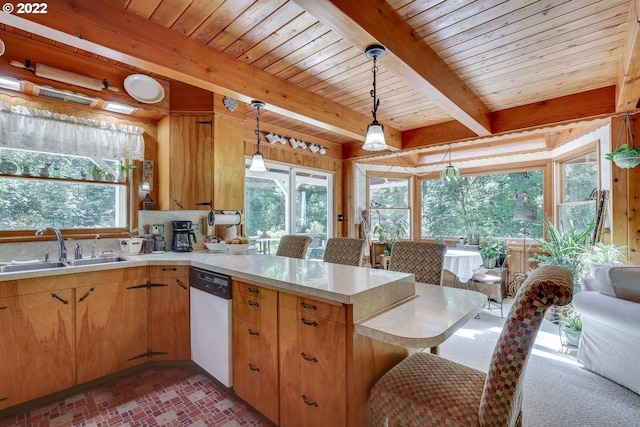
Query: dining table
462 263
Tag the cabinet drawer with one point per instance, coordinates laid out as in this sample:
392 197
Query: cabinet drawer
312 389
257 312
314 307
313 333
255 291
168 271
255 367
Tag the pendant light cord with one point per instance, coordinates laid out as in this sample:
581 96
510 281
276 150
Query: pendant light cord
376 102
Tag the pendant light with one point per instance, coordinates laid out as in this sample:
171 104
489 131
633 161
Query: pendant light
257 161
374 140
450 173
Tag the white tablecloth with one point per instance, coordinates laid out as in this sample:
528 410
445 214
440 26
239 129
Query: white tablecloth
462 263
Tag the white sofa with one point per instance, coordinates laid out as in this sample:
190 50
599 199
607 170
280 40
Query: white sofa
610 307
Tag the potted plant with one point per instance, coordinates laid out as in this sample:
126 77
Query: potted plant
389 232
491 249
600 255
564 248
570 325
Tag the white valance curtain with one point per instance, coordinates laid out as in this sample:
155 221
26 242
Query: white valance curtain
40 130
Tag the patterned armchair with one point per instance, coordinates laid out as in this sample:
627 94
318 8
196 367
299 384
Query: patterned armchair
427 390
423 259
344 250
293 246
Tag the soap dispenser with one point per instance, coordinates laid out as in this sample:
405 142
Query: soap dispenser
78 251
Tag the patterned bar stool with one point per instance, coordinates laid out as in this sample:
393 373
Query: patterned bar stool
294 246
427 390
423 259
344 250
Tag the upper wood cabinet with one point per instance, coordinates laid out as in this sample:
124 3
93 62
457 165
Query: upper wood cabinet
201 158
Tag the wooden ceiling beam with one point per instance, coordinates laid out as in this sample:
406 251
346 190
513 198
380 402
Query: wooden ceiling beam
628 86
100 28
364 22
590 104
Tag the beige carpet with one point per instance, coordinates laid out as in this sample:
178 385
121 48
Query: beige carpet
558 392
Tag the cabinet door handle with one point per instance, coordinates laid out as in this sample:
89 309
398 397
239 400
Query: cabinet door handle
306 322
4 307
182 285
308 358
253 368
84 297
253 303
254 333
253 290
308 402
308 306
64 301
169 269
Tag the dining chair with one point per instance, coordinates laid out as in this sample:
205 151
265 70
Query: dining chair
344 250
490 283
293 246
428 390
423 259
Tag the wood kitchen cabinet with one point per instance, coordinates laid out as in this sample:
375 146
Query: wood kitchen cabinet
169 337
111 322
255 347
312 362
201 158
36 340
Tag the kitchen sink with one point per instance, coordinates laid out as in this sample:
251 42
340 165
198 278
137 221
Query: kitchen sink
30 267
94 261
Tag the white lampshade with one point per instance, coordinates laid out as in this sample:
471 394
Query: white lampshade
450 173
257 163
375 138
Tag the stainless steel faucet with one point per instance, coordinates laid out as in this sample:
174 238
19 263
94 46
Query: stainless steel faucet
62 250
93 247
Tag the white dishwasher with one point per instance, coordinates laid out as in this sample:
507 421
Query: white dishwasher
210 295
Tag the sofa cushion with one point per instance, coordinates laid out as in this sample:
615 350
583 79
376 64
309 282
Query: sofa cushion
619 282
626 282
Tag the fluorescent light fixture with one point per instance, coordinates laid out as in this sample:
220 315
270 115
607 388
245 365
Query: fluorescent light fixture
9 83
119 108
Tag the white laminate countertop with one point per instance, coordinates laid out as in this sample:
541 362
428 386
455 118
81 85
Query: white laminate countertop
368 290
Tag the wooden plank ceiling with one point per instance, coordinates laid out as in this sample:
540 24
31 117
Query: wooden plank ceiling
453 70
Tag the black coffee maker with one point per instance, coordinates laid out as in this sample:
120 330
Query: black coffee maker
182 234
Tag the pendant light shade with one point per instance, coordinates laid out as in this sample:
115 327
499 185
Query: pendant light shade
374 140
450 173
257 161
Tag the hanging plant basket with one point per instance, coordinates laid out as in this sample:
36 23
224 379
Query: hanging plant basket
625 156
627 160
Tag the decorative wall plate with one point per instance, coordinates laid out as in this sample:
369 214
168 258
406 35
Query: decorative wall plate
143 88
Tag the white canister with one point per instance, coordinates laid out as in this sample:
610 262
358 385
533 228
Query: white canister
231 233
131 246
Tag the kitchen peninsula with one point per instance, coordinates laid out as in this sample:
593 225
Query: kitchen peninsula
345 328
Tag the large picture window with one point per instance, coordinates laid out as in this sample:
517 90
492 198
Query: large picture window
481 204
42 189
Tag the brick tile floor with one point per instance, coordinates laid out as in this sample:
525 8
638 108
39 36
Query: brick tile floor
159 396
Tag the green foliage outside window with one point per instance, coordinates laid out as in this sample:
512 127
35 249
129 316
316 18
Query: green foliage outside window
482 204
29 202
